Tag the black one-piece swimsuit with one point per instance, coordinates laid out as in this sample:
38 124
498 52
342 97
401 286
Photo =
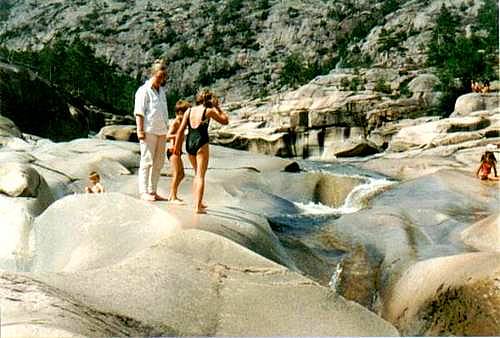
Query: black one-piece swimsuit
197 137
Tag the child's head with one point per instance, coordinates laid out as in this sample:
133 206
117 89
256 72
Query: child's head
489 156
94 177
181 106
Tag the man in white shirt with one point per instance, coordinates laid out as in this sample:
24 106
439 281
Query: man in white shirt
151 116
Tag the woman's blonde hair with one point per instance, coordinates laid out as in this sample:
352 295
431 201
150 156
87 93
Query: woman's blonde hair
158 65
206 97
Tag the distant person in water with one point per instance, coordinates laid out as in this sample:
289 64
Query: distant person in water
151 116
94 185
488 162
197 120
181 107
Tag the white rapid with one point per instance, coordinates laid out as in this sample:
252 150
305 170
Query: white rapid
355 200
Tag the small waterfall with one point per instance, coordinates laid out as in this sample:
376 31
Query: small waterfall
334 280
355 200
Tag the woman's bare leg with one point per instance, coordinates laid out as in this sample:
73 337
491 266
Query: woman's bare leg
192 160
199 180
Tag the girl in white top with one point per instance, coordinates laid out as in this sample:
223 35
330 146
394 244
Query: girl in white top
151 116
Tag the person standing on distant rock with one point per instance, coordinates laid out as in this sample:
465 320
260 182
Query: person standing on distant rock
197 120
151 116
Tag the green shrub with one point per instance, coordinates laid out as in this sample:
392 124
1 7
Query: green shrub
344 83
5 6
292 12
382 86
458 58
355 84
74 67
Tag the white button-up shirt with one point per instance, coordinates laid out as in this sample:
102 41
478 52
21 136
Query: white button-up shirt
152 104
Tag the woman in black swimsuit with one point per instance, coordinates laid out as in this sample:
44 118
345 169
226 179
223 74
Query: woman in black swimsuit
197 120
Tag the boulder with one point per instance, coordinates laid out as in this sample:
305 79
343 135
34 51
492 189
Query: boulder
422 86
351 149
456 295
382 135
357 277
20 180
261 141
473 102
483 235
8 128
25 195
15 227
119 133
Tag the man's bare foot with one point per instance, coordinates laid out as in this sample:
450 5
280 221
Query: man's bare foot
148 197
204 206
159 197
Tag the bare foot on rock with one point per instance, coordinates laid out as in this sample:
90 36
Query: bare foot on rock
148 197
159 198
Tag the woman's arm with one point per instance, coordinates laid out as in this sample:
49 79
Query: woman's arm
218 115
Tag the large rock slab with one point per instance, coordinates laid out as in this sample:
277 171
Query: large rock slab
442 132
88 231
483 235
34 309
90 150
212 286
473 102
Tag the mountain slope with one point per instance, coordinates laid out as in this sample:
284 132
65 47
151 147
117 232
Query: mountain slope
253 47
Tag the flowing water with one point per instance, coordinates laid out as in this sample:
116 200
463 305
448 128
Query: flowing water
309 225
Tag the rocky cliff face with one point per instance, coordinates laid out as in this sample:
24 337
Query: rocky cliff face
43 109
246 45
